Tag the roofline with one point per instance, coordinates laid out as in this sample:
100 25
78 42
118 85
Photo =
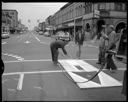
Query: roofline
8 10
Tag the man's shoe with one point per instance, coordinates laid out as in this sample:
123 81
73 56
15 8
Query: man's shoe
55 62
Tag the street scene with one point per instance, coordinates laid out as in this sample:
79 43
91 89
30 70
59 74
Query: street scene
64 56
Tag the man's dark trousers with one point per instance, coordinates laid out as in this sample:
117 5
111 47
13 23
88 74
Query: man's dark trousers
110 62
54 53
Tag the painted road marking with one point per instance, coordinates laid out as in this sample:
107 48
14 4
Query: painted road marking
89 45
38 87
104 79
15 56
45 43
12 90
4 43
51 71
27 42
20 83
4 80
39 60
36 37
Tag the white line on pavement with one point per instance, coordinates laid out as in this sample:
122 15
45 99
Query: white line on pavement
12 90
38 87
89 45
20 83
15 56
4 80
4 43
40 60
44 43
36 37
51 71
27 42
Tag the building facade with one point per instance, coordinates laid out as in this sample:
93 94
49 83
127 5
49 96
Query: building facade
90 17
10 19
104 13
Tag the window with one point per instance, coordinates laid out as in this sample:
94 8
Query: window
12 13
107 6
101 6
118 6
123 7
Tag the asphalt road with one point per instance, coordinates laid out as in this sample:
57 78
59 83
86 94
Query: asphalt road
31 76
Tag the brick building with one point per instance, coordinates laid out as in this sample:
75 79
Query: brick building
10 18
90 16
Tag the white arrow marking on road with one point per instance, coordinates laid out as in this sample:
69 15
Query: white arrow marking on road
20 83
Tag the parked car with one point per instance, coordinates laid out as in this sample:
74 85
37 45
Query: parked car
40 32
62 35
46 34
5 35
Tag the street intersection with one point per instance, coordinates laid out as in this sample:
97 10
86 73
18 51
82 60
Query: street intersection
31 75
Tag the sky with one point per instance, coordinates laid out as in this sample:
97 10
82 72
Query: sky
33 11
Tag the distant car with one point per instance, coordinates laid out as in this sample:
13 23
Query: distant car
46 34
40 32
62 35
5 35
21 32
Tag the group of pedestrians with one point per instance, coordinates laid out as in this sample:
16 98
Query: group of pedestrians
107 48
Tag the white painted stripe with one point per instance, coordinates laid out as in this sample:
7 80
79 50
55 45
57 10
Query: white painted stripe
4 42
20 83
15 56
53 71
13 90
36 38
4 80
91 46
45 43
27 42
38 87
118 69
40 60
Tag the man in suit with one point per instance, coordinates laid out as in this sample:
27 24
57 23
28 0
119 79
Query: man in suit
79 39
102 45
110 65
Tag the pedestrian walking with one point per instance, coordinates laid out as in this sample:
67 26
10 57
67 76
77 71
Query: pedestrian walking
54 46
110 65
79 39
102 46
